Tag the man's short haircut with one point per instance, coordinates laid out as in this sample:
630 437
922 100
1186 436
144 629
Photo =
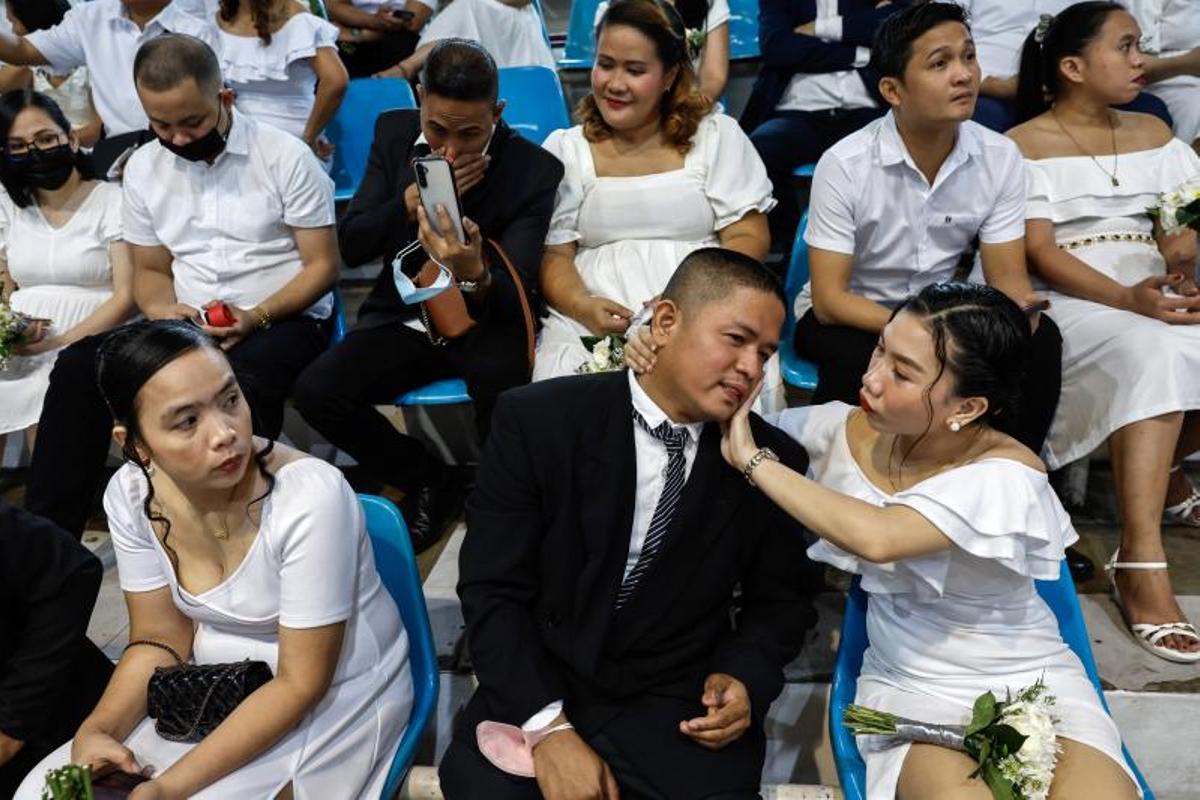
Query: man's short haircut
714 273
893 45
460 69
166 61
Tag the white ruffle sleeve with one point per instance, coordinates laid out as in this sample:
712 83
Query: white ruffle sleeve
564 222
736 180
246 60
1017 522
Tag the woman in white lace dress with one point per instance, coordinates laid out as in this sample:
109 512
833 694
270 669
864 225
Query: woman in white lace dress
651 175
1121 292
283 63
62 258
894 492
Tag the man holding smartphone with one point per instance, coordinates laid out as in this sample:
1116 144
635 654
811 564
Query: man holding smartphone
505 189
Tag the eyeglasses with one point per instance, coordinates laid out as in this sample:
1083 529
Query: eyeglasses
46 140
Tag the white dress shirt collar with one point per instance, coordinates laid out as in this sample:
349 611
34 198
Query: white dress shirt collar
892 149
166 20
652 414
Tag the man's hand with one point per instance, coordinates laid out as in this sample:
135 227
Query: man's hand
807 29
174 311
384 22
412 200
465 259
469 170
567 769
728 717
230 335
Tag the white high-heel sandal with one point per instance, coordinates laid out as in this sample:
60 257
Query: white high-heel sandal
1185 513
1146 634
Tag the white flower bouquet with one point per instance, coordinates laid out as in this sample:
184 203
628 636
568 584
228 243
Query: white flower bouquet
12 329
605 354
1013 741
1179 208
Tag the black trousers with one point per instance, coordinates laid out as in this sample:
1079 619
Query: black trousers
371 57
642 746
791 139
338 392
842 354
75 426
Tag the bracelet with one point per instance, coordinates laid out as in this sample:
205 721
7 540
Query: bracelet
159 645
763 454
263 316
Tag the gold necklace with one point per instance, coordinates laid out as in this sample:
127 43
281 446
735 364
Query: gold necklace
1112 176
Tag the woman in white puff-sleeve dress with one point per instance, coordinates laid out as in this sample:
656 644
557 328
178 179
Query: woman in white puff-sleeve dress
896 493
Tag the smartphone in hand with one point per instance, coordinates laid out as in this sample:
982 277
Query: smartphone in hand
435 184
115 785
403 14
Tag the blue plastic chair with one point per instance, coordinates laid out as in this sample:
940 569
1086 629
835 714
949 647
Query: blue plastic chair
339 317
534 102
397 568
796 371
352 130
580 49
1059 595
438 393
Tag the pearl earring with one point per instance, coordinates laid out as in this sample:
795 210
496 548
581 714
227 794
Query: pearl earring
955 427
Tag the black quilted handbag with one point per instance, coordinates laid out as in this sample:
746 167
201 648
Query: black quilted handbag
188 701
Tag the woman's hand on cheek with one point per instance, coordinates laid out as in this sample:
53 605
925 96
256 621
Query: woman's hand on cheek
737 440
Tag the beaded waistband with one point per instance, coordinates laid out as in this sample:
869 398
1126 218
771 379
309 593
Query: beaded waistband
1099 238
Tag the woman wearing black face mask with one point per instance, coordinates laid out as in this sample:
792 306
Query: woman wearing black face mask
63 264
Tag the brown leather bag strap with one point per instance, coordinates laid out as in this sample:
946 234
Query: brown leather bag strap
525 309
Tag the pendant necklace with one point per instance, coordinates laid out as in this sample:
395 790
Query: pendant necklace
1112 176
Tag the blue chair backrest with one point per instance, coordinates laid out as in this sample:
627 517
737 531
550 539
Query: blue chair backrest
580 49
534 102
1059 595
397 568
353 128
339 316
797 276
743 30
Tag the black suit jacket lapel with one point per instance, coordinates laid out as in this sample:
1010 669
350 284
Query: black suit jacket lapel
708 501
607 488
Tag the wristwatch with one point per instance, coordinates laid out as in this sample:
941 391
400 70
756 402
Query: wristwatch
479 285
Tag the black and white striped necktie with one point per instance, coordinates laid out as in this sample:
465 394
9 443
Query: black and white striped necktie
674 439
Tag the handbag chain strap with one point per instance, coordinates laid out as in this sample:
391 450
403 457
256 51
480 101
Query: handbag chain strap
212 687
159 645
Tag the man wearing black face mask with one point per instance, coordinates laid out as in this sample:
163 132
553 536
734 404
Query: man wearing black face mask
217 210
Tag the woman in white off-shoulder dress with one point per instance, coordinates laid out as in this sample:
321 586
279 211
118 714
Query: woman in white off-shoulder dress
894 491
1122 294
230 547
62 257
651 175
283 64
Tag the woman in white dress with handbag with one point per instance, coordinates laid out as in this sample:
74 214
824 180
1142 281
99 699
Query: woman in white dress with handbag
651 175
230 547
894 493
62 260
283 63
1122 293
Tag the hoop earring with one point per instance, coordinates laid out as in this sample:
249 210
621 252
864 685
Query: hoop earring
955 427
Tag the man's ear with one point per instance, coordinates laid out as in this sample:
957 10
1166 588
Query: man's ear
500 105
889 89
421 93
665 321
227 96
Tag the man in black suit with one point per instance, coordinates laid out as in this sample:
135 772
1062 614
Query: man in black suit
506 185
606 537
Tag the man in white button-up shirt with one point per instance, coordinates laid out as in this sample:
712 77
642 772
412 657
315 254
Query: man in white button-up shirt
901 204
104 35
218 209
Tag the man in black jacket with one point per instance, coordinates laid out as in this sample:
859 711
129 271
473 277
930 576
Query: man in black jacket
606 537
51 675
506 186
815 88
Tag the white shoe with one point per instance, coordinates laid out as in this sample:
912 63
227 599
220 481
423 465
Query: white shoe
1146 634
1185 513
